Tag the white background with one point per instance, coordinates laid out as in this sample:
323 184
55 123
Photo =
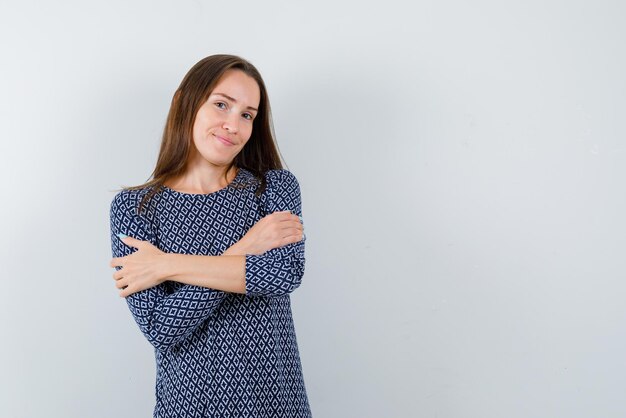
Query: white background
462 172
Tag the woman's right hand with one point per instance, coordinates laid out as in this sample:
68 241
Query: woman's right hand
274 230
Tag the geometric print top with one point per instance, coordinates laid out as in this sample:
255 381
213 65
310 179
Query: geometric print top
219 354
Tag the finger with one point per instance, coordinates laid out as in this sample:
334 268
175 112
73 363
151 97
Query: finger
131 241
295 218
284 229
126 292
298 234
298 218
292 221
292 224
294 234
291 239
283 215
119 274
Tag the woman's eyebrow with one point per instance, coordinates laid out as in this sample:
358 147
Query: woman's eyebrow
235 101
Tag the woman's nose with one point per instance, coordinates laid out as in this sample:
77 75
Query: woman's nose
231 123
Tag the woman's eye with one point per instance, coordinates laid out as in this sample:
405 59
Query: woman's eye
221 105
247 116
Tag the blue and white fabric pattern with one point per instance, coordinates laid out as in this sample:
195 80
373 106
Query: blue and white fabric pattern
219 354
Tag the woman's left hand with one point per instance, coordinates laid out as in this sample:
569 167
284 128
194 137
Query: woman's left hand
143 269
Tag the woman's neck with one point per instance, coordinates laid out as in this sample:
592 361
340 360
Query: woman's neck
202 180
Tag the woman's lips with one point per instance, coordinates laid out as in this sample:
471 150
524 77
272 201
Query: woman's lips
223 140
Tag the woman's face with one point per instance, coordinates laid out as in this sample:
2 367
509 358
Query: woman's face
223 123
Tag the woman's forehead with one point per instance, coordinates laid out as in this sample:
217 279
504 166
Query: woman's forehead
239 87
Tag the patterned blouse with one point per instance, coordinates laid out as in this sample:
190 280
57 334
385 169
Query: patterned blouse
219 354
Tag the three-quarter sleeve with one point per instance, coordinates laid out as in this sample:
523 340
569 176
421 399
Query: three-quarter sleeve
278 271
164 318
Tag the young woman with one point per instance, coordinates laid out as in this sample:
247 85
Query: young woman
207 252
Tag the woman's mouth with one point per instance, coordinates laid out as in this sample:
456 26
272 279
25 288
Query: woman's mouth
224 140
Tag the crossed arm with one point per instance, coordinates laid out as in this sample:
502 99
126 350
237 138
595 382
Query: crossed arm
149 266
267 262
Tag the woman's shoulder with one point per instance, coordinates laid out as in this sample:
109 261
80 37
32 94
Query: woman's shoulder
275 179
281 177
282 192
127 199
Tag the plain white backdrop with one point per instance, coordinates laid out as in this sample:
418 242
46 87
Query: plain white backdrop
462 170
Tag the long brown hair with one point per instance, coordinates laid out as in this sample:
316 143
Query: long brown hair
260 153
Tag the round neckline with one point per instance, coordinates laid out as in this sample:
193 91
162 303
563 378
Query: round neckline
228 186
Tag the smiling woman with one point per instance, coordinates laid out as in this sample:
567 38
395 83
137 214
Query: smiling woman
223 123
208 251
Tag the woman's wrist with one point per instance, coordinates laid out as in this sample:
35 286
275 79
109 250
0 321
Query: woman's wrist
214 272
237 248
167 267
172 264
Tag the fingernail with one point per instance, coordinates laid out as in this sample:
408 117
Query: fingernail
122 235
